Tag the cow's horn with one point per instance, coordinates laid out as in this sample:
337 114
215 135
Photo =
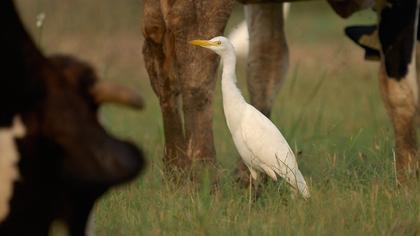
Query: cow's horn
109 92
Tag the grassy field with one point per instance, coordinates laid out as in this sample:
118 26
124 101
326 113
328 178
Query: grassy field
329 110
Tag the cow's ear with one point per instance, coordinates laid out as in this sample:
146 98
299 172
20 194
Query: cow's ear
107 92
367 38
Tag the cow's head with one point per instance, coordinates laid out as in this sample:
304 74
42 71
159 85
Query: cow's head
64 121
67 159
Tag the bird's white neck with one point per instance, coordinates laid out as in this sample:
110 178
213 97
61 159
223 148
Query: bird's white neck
233 101
229 66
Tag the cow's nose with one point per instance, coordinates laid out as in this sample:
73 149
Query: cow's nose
129 161
121 161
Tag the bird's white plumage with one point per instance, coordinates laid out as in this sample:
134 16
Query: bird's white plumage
263 148
260 144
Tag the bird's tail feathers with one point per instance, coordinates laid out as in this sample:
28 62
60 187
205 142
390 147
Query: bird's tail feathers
301 185
293 176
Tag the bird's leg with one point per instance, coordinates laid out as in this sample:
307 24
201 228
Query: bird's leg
250 193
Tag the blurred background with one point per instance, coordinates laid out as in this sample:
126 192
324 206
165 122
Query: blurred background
329 109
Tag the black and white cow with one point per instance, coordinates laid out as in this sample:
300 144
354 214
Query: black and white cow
65 159
393 42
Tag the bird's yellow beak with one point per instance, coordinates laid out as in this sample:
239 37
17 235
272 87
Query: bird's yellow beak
203 43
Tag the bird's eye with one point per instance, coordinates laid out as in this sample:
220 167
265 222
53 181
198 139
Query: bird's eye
219 42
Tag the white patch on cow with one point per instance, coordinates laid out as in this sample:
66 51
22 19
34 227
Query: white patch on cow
18 128
412 77
9 158
90 226
240 36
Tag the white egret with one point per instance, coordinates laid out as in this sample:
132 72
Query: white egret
258 141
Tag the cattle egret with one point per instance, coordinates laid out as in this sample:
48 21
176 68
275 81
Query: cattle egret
258 141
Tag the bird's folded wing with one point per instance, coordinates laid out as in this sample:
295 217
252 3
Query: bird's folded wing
266 142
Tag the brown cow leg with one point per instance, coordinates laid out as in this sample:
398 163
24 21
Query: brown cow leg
268 59
198 116
180 70
197 72
400 99
174 158
159 58
418 81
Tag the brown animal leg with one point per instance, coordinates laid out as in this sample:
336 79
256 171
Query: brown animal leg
198 112
268 59
159 57
197 69
177 68
398 80
400 99
418 81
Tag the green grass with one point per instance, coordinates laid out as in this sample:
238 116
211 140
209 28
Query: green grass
329 110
